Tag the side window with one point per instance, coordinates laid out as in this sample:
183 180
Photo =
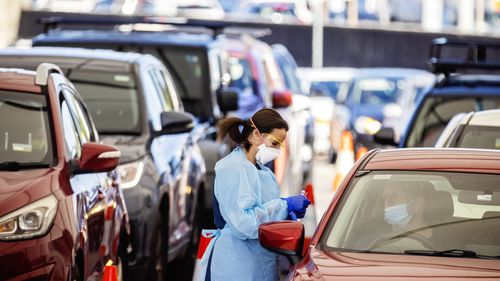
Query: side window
154 101
71 139
161 88
172 89
82 121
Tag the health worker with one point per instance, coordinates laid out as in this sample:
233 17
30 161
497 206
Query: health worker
247 195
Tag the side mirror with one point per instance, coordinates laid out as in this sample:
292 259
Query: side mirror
284 237
227 99
385 136
282 98
176 122
97 158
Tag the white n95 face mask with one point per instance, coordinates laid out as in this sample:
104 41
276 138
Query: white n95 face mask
397 215
266 154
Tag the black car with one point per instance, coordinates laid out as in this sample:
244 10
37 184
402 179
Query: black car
457 90
197 61
135 106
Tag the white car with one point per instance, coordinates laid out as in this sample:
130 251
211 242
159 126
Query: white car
472 130
323 84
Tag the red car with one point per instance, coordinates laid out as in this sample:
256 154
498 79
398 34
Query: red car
408 214
62 215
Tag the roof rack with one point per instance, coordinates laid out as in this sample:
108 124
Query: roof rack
216 27
43 71
448 55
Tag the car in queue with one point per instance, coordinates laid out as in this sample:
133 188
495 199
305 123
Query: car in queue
62 210
403 214
472 130
378 97
461 86
136 107
269 88
323 86
196 60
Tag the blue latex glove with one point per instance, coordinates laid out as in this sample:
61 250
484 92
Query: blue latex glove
297 203
292 216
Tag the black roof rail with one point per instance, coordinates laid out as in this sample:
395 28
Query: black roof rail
217 27
465 55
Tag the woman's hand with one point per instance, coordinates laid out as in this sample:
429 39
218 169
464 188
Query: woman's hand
297 204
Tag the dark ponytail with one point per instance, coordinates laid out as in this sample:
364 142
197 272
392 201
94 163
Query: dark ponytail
236 131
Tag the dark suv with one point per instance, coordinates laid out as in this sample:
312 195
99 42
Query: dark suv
62 213
196 59
135 106
456 90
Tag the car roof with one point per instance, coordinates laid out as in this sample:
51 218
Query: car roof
326 73
485 118
176 38
74 57
436 159
395 72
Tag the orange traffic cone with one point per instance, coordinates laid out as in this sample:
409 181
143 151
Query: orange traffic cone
345 159
309 221
361 152
110 272
202 247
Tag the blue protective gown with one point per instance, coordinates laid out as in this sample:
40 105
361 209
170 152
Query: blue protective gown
247 198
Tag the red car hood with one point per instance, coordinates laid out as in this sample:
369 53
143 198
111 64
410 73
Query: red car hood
321 265
20 188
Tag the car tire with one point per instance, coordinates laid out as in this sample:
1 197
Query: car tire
156 269
75 274
122 263
184 266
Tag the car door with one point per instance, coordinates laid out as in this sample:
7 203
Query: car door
181 193
89 195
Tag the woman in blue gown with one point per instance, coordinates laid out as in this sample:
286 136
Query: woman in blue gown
247 195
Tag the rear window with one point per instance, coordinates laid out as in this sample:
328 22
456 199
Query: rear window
376 91
111 99
436 112
25 134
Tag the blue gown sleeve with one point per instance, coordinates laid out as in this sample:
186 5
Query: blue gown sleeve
239 205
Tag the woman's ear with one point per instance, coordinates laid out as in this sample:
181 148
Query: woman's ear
254 137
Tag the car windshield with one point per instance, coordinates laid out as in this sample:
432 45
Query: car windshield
241 74
191 67
329 87
436 112
25 134
480 137
111 98
376 91
407 212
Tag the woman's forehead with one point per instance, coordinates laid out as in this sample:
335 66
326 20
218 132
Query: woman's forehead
280 134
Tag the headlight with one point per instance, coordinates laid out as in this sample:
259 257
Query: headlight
130 174
31 221
367 125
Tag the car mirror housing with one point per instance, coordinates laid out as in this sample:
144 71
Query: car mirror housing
283 237
97 158
385 136
176 123
282 98
227 99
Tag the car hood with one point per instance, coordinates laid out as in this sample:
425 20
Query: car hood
131 147
20 188
319 265
374 111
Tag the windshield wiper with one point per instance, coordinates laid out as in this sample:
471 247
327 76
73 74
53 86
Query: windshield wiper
16 166
450 253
